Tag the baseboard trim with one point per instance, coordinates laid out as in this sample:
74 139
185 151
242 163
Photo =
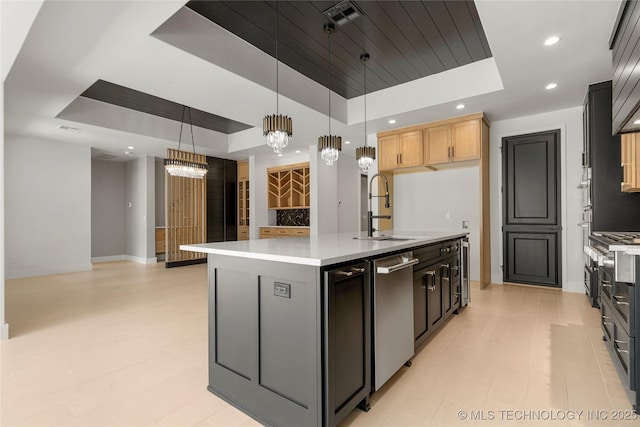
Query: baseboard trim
46 271
4 332
185 263
141 260
108 258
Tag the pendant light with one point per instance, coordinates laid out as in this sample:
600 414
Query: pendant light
365 155
277 128
176 163
329 146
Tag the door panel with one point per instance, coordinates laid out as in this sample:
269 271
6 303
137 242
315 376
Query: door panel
532 258
411 149
531 208
437 142
466 140
388 152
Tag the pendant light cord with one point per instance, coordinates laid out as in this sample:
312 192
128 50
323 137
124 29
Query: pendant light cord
181 125
365 101
193 143
329 81
277 64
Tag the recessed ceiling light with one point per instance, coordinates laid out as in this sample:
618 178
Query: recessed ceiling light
392 121
280 155
460 106
297 151
347 142
637 122
127 152
130 147
551 41
69 128
551 86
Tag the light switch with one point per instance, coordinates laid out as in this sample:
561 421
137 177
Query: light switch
129 204
447 215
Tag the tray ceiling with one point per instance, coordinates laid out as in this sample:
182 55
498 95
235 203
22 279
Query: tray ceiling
406 40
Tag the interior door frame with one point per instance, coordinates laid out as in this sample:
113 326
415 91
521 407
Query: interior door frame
561 179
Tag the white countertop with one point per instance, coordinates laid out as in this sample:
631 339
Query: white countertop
285 226
321 250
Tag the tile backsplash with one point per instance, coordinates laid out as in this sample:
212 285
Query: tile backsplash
293 217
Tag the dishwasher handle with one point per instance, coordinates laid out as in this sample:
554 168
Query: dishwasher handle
391 268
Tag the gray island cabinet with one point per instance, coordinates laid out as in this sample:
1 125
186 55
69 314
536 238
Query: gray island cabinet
290 323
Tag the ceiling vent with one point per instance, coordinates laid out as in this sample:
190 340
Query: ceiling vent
343 13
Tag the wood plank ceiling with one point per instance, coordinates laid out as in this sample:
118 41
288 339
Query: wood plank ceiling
135 100
406 40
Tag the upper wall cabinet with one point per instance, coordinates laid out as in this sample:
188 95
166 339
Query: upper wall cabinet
403 150
433 144
452 142
289 187
630 155
625 102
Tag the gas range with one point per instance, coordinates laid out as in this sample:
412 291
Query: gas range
618 240
616 251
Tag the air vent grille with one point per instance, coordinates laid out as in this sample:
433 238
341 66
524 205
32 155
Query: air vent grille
343 13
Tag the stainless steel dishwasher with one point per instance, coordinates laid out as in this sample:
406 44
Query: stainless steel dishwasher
392 315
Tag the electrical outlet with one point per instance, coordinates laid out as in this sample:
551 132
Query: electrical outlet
465 224
447 215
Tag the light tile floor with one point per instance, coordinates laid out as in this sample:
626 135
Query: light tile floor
126 345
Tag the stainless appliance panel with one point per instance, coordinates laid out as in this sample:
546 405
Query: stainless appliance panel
393 315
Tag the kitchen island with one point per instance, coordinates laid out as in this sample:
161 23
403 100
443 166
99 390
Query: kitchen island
290 321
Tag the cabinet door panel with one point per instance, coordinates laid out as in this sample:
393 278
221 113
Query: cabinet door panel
434 298
388 152
466 140
411 149
419 303
437 142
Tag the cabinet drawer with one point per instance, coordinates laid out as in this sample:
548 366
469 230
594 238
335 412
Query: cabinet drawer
283 232
300 232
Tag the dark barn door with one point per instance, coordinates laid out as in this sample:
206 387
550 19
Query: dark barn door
531 208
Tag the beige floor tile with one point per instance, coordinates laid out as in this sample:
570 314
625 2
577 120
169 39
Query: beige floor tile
126 345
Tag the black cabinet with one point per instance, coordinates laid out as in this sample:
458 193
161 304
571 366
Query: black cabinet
437 288
611 209
222 200
347 346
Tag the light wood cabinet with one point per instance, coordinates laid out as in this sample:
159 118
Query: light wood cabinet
160 240
271 232
453 142
403 150
243 200
289 187
630 161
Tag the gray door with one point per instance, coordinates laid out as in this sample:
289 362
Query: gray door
531 208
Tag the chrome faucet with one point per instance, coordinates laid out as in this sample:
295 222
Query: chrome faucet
370 216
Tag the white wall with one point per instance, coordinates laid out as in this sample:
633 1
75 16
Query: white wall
324 194
422 200
107 209
48 207
569 121
4 327
140 217
348 194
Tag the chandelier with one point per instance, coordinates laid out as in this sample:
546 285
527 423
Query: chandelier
329 146
365 155
184 164
277 128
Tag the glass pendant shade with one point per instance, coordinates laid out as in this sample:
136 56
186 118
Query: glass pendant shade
365 156
182 163
329 148
185 169
277 131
